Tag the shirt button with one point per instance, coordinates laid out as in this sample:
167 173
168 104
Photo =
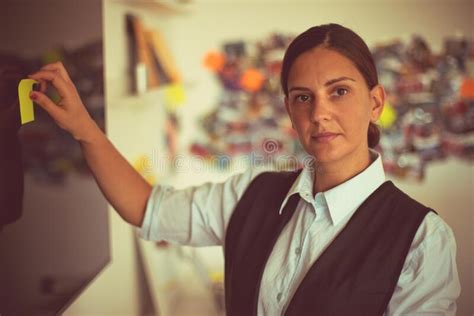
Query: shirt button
298 251
279 296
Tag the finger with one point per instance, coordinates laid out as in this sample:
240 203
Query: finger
43 86
58 66
49 106
57 81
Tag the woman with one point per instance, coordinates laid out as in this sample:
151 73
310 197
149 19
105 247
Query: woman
331 239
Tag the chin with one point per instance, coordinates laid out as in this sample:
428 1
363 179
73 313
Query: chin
324 153
324 158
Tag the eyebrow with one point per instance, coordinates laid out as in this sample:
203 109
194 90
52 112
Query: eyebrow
330 82
327 83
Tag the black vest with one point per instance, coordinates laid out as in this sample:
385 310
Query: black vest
355 275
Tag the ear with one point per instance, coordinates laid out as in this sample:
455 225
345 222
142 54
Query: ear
377 101
288 110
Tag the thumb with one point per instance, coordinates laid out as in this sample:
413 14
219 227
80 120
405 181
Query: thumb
49 106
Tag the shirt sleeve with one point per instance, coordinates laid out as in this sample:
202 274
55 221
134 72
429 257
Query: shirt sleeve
429 282
194 216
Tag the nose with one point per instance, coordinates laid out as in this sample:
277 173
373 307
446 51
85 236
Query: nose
320 111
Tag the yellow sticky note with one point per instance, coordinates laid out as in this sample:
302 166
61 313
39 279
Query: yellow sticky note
143 165
27 112
174 96
388 117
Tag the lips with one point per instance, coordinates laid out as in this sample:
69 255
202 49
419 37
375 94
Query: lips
324 137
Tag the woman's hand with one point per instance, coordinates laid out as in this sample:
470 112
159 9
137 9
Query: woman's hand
70 113
124 188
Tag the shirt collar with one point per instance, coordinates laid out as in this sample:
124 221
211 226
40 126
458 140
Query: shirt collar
344 198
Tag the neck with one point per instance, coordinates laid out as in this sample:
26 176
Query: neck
328 175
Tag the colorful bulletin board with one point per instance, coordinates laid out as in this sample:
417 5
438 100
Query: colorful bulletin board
428 116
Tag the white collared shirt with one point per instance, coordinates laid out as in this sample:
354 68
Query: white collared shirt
198 216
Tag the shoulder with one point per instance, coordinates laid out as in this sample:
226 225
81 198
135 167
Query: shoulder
429 279
243 178
259 173
401 197
432 228
268 179
432 232
434 245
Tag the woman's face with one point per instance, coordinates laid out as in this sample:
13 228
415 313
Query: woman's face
330 106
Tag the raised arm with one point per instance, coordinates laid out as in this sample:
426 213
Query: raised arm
124 188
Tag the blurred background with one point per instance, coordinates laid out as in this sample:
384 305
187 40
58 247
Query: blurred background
188 92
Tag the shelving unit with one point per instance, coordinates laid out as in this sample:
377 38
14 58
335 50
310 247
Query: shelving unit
135 122
159 6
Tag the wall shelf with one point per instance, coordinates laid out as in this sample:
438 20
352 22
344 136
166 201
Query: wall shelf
159 6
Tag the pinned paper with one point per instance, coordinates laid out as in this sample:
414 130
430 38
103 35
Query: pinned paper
174 96
214 61
252 80
388 117
27 112
467 88
143 165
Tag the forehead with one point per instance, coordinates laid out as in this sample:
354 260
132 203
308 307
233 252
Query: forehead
319 65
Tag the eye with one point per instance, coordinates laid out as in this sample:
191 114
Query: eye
339 92
302 98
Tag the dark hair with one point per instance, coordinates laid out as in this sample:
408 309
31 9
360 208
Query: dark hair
345 42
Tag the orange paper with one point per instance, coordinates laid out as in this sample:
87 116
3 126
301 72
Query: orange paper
214 61
467 89
252 80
